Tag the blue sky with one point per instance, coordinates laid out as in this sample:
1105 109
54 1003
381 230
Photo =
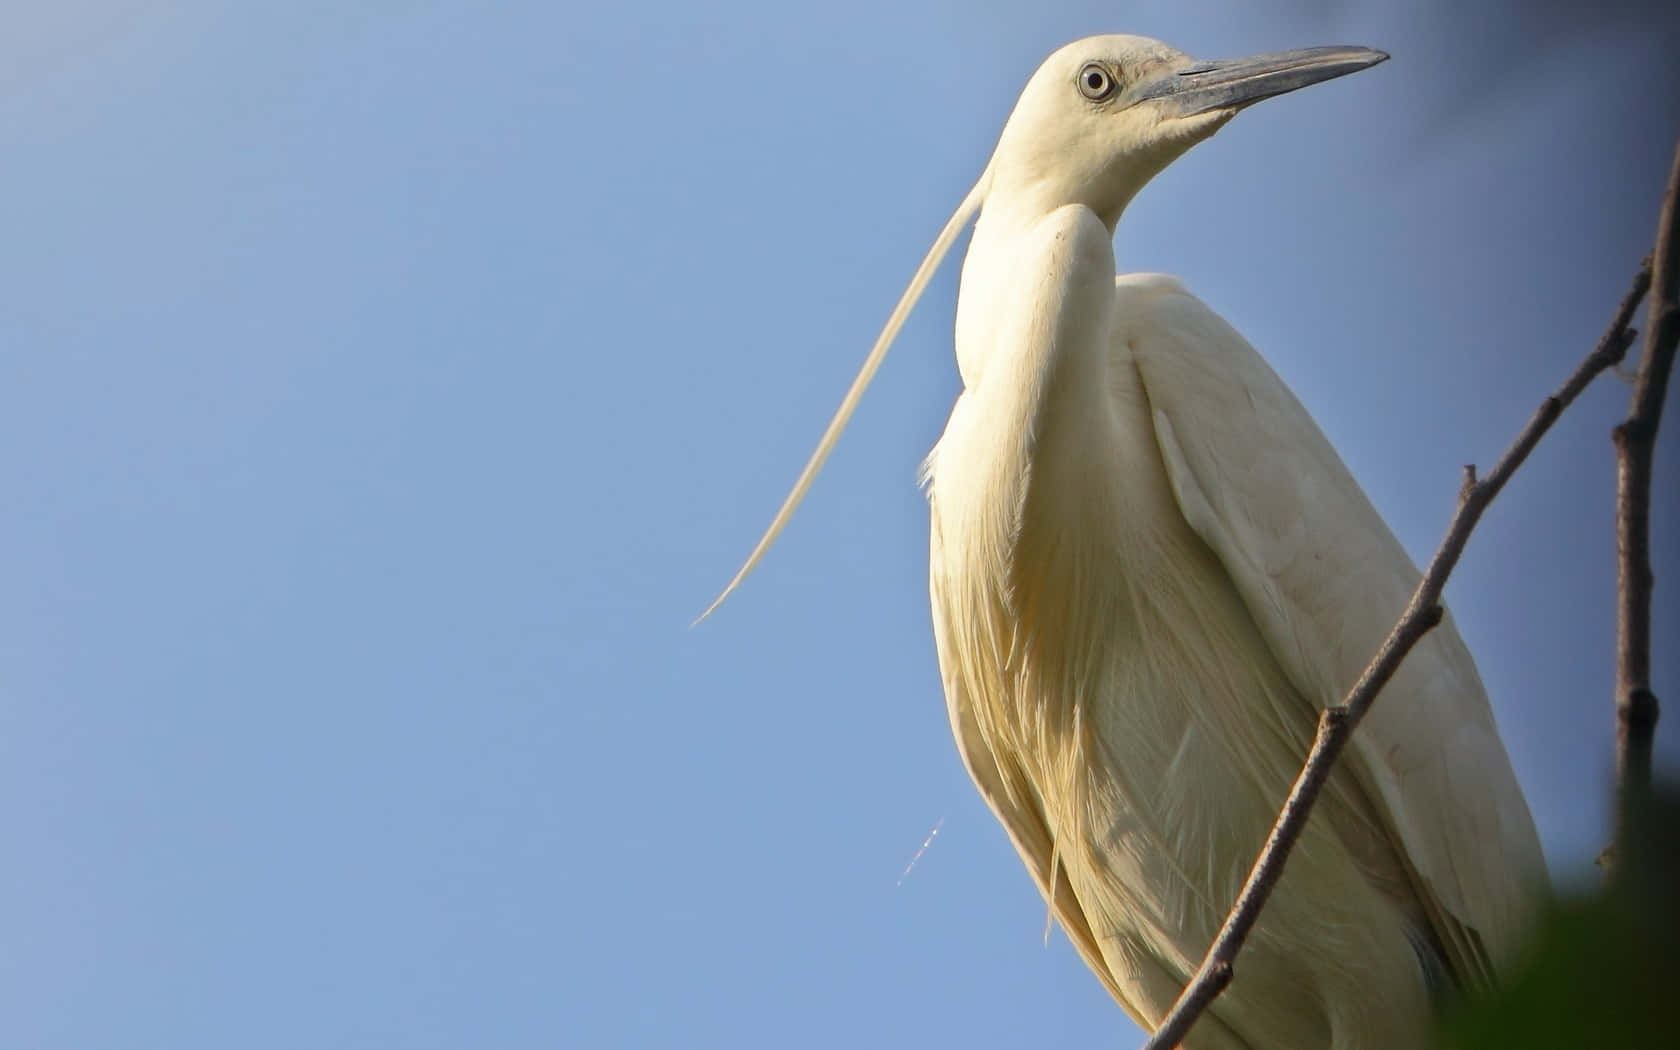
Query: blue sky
384 392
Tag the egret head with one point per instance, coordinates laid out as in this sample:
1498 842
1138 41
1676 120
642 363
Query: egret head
1103 115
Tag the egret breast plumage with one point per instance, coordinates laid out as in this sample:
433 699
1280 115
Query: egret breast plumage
1149 574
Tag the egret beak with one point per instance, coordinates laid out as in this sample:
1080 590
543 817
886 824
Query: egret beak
1238 82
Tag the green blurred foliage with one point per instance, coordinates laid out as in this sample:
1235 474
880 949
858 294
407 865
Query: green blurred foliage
1605 969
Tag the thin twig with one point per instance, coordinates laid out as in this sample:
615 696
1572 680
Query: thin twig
1636 442
1337 723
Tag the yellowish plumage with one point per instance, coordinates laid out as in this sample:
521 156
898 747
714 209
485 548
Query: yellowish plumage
1150 572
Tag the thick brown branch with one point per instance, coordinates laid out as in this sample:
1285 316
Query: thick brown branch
1636 442
1337 723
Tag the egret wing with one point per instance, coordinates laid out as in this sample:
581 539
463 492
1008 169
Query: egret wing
1325 580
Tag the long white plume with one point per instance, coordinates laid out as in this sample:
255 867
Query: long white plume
906 302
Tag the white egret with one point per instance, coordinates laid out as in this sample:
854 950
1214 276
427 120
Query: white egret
1150 572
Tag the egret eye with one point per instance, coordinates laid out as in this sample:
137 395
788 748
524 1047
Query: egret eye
1095 83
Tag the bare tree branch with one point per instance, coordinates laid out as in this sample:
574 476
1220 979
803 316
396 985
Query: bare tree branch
1337 723
1636 443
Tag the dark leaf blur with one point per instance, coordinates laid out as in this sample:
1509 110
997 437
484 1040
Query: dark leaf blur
1604 972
